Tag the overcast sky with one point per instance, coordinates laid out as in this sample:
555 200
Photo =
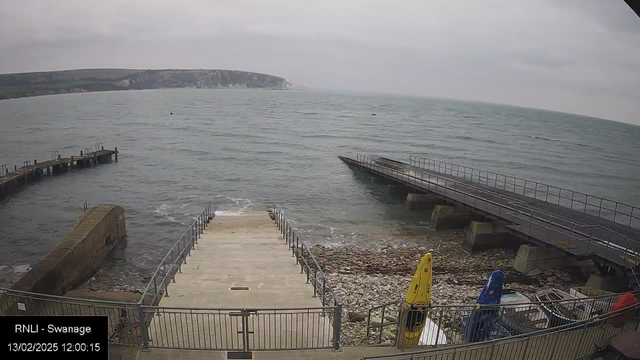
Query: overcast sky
579 56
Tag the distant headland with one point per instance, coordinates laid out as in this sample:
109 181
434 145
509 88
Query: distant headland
88 80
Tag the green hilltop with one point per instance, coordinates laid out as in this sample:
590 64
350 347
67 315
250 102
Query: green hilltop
87 80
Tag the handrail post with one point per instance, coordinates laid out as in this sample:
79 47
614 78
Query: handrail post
302 260
324 288
402 321
337 327
384 308
179 254
155 286
439 327
144 328
315 282
293 246
195 239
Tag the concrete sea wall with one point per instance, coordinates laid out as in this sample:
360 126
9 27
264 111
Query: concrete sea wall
79 255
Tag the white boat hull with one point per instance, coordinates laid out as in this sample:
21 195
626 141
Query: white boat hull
431 334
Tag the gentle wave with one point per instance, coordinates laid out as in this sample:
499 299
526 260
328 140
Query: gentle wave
545 138
229 213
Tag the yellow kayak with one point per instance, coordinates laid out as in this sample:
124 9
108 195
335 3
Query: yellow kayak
417 299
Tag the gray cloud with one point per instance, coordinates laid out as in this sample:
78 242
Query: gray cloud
574 56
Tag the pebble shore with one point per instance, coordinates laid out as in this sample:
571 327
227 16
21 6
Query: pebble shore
364 278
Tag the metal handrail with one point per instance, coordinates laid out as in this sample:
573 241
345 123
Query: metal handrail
493 306
300 250
308 264
435 181
176 256
477 346
237 308
569 304
538 188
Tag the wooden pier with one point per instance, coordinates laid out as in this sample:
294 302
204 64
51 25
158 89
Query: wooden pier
11 181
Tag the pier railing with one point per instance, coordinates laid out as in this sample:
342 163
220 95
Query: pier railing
607 209
172 262
567 342
534 222
308 264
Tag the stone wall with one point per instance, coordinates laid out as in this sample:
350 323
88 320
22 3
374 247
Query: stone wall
79 255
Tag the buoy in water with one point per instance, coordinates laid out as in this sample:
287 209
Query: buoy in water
374 114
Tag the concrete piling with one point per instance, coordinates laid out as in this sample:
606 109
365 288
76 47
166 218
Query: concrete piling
446 217
533 257
486 235
610 282
421 201
398 190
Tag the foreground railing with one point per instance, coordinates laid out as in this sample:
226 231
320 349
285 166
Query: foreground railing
123 317
241 330
607 244
448 328
172 262
607 209
567 342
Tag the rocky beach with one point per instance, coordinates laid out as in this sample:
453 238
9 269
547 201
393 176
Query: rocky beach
364 278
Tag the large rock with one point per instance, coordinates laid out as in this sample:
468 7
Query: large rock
355 317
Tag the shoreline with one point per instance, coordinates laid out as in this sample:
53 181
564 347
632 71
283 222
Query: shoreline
365 278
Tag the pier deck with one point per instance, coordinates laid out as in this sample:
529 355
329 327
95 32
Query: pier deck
581 234
11 181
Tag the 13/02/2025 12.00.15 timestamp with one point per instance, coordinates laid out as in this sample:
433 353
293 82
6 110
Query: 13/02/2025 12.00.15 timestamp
68 347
